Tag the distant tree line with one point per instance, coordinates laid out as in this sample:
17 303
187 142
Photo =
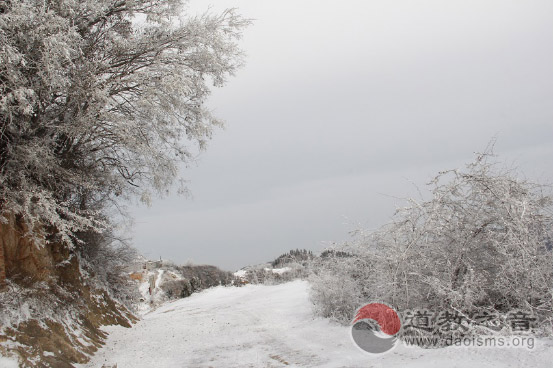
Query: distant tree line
296 255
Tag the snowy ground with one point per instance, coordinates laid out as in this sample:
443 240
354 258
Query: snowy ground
273 326
8 362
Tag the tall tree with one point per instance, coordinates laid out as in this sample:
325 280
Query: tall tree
102 99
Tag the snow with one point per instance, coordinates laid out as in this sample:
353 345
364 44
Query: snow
159 277
278 270
240 273
152 298
273 326
8 362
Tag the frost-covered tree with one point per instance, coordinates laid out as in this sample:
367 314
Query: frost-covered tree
482 240
101 99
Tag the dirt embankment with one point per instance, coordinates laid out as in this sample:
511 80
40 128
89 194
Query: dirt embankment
50 310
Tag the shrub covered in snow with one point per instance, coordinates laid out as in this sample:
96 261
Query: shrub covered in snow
335 292
484 239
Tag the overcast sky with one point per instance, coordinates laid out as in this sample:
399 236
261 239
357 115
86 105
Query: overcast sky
341 107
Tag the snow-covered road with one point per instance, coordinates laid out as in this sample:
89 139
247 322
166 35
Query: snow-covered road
273 326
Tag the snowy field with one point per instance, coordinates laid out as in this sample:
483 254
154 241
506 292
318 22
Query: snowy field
273 326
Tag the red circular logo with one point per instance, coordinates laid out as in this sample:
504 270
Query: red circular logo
375 328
